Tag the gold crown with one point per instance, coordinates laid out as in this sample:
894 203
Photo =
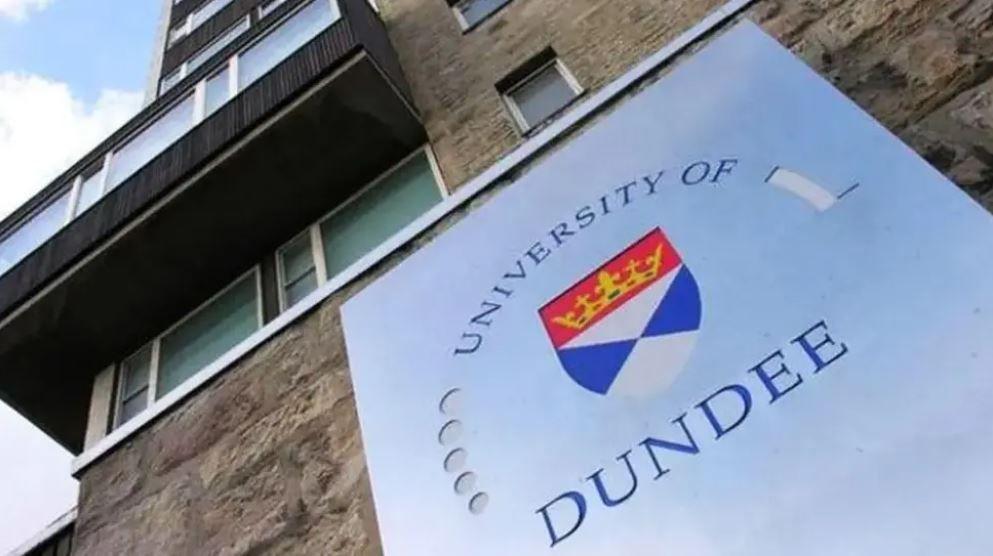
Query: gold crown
609 288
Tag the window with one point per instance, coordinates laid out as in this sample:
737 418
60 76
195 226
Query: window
90 189
379 212
217 91
170 80
192 344
200 101
471 12
151 141
204 55
297 270
357 227
133 385
269 7
208 333
324 249
34 232
297 30
541 92
196 18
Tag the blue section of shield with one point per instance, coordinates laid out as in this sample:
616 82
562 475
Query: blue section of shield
680 308
595 367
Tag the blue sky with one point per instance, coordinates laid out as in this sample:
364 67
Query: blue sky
71 71
89 44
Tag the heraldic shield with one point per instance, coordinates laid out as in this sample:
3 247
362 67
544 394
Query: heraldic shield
629 326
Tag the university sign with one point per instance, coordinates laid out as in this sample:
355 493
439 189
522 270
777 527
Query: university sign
735 316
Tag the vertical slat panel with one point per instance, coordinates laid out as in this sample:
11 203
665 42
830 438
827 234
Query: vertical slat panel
198 147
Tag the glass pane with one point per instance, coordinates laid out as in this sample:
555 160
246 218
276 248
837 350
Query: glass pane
169 81
89 192
132 407
36 231
269 7
135 371
379 213
543 95
208 52
216 92
208 334
140 150
474 11
299 289
285 39
177 33
207 11
296 259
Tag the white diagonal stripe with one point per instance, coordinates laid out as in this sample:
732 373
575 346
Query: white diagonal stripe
628 321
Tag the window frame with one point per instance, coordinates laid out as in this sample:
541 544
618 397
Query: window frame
197 90
508 94
105 186
463 22
335 7
155 346
316 258
68 191
265 9
119 380
183 70
317 239
178 33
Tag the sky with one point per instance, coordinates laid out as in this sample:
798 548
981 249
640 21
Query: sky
71 71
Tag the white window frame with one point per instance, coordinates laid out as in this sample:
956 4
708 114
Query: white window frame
180 32
156 345
317 239
514 109
313 233
149 390
77 185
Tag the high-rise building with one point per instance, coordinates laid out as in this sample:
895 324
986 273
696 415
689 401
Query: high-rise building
169 305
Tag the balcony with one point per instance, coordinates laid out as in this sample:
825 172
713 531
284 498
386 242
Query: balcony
192 192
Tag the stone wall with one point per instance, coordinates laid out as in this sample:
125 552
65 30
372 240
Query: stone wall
268 459
453 74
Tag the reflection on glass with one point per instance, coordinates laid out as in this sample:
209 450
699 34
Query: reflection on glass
543 95
227 38
216 92
297 270
154 139
474 11
285 39
89 192
134 374
208 334
377 214
34 232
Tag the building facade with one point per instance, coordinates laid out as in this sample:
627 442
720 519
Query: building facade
169 305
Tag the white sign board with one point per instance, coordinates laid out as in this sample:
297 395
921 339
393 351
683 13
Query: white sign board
736 316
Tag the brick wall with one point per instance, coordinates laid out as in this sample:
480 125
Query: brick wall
268 459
